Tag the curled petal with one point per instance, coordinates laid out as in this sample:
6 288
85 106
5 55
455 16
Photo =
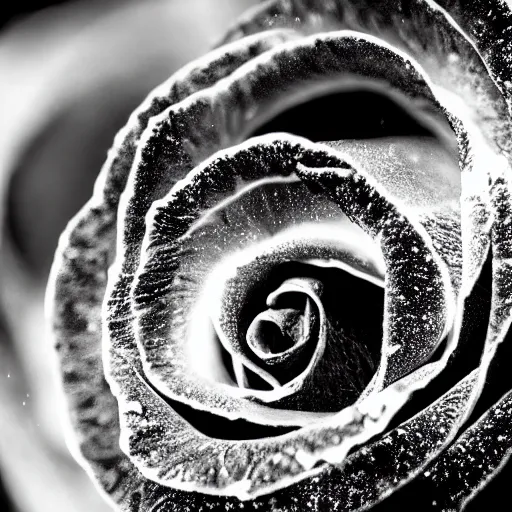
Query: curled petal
278 335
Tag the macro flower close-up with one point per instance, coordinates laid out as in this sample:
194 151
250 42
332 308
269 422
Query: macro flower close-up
291 288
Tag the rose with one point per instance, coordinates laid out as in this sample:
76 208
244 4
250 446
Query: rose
194 274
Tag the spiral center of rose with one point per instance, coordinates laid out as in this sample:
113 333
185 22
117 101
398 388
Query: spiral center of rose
280 333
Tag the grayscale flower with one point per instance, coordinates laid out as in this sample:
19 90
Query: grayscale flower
280 296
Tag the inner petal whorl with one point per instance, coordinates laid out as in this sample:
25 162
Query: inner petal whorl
280 333
274 333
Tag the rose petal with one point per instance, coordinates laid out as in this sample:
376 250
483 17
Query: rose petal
460 473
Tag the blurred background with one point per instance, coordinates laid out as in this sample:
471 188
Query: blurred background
71 73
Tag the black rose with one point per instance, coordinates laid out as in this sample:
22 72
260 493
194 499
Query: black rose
277 297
